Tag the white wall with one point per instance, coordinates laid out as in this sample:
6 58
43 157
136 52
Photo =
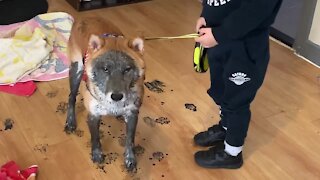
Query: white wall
315 29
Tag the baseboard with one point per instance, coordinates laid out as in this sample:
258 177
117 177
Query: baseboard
289 41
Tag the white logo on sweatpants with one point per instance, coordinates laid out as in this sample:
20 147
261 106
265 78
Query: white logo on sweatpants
217 2
239 78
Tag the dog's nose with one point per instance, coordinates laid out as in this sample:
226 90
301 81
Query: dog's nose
116 96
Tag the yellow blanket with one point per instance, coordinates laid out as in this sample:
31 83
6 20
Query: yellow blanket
22 53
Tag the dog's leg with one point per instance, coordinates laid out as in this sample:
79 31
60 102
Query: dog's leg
94 124
131 121
75 75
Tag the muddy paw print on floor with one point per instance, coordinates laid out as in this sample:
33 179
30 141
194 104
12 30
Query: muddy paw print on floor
62 107
155 86
42 148
152 122
138 150
162 120
8 124
52 94
158 157
191 107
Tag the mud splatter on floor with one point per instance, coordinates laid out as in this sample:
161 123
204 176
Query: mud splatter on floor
42 148
101 168
191 107
8 124
155 86
162 120
52 94
149 121
79 132
111 157
138 150
122 140
158 156
102 123
62 107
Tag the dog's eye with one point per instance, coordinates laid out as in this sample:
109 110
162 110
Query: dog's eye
106 69
127 70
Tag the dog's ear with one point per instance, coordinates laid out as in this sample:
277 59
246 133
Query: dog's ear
95 42
137 44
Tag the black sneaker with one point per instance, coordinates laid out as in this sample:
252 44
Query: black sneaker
210 137
216 157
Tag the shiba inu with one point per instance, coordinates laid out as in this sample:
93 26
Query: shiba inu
114 72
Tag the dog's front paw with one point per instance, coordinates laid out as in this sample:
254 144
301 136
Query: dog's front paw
130 162
70 128
97 156
71 123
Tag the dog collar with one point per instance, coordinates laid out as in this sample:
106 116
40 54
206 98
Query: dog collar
109 35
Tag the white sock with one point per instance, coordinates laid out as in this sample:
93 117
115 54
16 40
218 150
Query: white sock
232 150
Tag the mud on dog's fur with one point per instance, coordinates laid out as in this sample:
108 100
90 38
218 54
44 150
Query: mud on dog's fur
114 85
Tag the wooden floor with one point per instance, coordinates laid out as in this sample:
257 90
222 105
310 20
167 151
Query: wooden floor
284 135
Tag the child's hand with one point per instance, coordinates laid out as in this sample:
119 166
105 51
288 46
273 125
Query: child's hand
200 22
206 38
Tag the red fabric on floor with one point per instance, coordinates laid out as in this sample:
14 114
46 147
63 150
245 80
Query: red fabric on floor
12 171
20 89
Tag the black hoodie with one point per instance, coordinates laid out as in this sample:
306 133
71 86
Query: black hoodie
237 19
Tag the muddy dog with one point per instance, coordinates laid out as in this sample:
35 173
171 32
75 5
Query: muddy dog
114 71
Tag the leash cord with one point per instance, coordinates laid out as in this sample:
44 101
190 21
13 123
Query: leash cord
186 36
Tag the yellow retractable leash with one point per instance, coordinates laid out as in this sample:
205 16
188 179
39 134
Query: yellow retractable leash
200 58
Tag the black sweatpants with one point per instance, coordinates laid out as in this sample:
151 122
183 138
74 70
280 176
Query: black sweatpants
237 71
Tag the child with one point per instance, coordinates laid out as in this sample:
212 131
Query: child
236 33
